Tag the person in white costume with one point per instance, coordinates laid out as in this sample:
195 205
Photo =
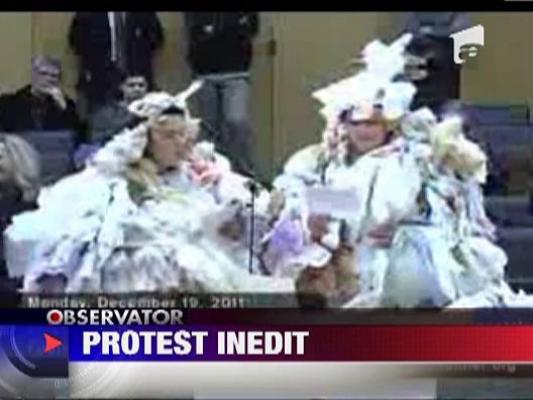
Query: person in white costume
370 106
424 187
310 246
443 252
426 191
420 236
145 215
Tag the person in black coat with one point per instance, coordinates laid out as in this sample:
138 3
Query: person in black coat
432 42
109 44
220 53
220 41
41 105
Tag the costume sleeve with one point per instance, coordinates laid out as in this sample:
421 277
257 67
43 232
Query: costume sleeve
480 222
302 166
393 196
387 188
52 238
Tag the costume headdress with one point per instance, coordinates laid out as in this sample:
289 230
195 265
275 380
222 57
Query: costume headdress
128 146
374 90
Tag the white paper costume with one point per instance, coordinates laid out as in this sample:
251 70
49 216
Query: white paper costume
323 165
441 249
104 232
426 183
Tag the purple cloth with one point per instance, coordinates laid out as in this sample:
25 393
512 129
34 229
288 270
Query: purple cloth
288 236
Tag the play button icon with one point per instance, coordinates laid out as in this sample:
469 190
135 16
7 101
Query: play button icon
51 342
36 351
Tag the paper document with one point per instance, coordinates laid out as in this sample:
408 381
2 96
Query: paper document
337 203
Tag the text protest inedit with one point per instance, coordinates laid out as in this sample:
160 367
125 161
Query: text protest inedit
202 344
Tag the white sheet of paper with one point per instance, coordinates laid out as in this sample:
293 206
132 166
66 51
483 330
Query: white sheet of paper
337 203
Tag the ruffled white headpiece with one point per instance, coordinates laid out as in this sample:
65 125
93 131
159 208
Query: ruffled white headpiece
129 145
373 86
154 104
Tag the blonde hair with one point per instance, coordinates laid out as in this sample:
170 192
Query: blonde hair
144 172
25 165
166 120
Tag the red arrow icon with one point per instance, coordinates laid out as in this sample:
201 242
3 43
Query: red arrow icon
51 342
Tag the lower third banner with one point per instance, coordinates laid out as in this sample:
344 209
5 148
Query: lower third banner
301 343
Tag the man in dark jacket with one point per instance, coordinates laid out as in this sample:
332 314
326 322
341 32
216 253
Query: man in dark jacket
431 41
109 44
220 53
42 105
114 115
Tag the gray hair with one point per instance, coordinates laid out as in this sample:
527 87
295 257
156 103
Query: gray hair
25 164
41 60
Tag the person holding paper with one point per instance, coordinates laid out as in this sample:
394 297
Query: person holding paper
368 108
423 187
361 113
418 233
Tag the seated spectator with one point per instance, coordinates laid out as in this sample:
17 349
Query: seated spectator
41 105
19 187
113 116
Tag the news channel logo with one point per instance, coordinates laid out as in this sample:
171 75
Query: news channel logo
466 43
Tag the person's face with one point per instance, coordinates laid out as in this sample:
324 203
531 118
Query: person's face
5 165
134 88
170 143
358 138
45 77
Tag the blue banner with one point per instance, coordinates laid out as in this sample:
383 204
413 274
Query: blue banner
143 343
